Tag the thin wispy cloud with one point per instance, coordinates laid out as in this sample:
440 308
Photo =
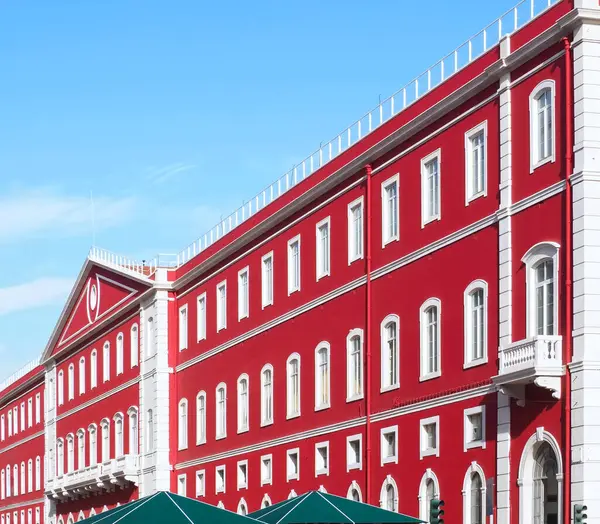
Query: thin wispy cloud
41 213
161 175
47 291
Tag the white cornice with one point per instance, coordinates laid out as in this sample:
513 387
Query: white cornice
22 441
22 505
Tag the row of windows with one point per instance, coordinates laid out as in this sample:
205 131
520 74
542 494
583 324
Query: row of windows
91 458
10 487
5 518
106 354
26 412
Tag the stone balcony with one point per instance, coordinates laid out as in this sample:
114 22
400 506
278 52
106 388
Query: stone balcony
536 360
105 476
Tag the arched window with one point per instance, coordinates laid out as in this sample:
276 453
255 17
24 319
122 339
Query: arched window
182 427
92 513
132 413
2 484
118 418
8 485
60 384
70 453
149 431
541 111
201 418
81 449
80 517
354 492
82 375
322 376
243 403
105 428
29 475
38 473
475 318
71 381
150 341
94 369
120 343
429 489
242 508
388 498
221 412
354 359
106 362
93 435
23 481
221 505
266 502
134 347
293 386
266 401
430 314
474 495
390 362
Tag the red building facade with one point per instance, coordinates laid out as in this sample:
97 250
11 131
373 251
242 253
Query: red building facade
407 314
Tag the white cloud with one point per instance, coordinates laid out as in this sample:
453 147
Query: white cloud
48 291
162 174
39 213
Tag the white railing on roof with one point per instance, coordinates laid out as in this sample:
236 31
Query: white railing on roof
122 263
19 374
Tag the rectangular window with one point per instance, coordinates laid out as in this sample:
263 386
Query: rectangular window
200 484
430 436
541 109
201 314
476 162
266 470
220 479
389 445
16 419
323 249
243 293
475 427
183 328
294 265
242 474
267 280
29 412
353 452
222 305
38 408
293 464
430 187
321 458
389 210
355 230
22 416
182 485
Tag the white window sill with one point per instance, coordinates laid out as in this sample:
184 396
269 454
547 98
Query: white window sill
429 220
265 423
201 339
540 163
181 448
387 241
475 363
266 482
475 444
430 453
476 196
384 389
221 437
430 376
322 407
243 317
291 291
389 460
220 490
323 275
350 467
322 472
267 304
354 398
200 442
292 477
291 416
242 430
355 259
242 486
221 328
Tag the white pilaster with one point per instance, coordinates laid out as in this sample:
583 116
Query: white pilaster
49 438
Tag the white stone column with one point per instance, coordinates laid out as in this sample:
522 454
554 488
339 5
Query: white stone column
585 368
49 438
505 290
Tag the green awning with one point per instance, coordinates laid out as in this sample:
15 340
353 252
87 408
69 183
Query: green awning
315 507
164 507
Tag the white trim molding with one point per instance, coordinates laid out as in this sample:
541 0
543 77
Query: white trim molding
534 153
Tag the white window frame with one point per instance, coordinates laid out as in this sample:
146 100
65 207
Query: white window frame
183 327
200 483
384 362
219 469
106 362
289 413
82 376
265 299
388 481
243 301
60 387
356 252
385 216
94 369
324 470
263 479
120 350
321 270
221 309
70 389
264 421
533 129
467 428
201 303
133 427
473 468
423 506
423 339
241 427
390 430
119 420
219 436
423 452
242 483
290 475
93 444
318 386
291 287
30 412
350 395
426 215
183 425
200 436
38 409
134 345
354 465
534 256
105 439
469 362
470 195
182 485
23 404
2 430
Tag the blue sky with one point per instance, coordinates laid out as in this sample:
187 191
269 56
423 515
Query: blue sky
172 113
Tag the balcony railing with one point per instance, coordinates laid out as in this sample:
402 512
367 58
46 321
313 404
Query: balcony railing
512 20
19 374
542 353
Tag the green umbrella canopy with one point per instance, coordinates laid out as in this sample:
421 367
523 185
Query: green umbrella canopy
315 507
167 507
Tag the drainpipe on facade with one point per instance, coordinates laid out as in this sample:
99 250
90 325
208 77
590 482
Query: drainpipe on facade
568 274
368 339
